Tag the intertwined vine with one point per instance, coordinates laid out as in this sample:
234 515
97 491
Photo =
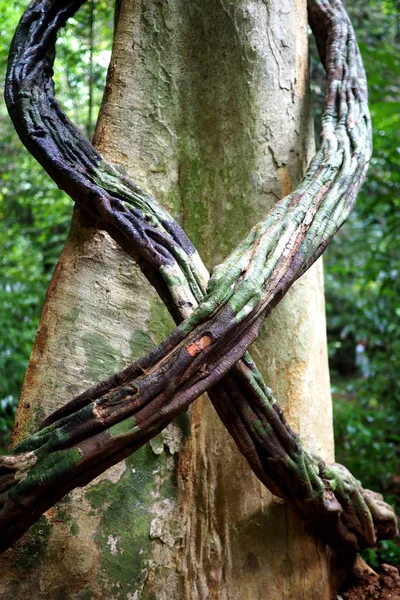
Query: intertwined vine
217 317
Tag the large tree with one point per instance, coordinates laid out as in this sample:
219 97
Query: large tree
207 107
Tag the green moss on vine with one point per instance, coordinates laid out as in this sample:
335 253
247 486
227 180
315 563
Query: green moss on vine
53 467
260 427
123 427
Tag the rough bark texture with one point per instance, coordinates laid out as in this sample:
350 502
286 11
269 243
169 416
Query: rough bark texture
207 106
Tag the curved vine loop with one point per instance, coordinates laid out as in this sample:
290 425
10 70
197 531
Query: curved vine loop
218 318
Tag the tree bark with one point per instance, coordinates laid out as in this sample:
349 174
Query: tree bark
207 106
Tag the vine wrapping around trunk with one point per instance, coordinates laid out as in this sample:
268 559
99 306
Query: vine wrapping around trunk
218 318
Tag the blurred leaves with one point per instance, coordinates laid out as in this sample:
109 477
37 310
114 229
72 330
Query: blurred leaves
34 213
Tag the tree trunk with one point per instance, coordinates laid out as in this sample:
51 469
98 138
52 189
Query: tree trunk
207 106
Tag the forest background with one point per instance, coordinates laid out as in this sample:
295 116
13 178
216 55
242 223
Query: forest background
362 264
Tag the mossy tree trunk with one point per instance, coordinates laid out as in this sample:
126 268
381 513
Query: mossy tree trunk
207 106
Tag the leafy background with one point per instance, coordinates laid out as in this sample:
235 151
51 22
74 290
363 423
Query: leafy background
34 213
362 264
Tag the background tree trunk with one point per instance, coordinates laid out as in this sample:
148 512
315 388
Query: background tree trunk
207 106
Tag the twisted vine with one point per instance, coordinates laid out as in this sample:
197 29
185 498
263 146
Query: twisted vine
217 318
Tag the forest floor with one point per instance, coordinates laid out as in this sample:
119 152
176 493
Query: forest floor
370 585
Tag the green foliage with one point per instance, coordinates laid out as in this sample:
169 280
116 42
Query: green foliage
367 441
34 213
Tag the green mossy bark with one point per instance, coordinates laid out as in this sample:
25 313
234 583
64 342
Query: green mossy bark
125 517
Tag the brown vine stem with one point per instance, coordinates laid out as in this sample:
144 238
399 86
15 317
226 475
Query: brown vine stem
219 320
